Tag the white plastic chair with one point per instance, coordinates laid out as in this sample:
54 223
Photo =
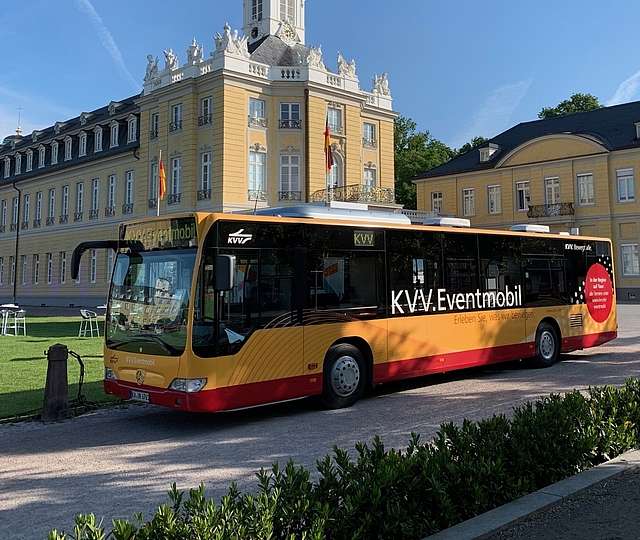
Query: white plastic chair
17 321
89 323
4 321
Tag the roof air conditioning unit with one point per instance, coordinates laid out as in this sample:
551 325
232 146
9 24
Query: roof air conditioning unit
526 227
575 231
446 221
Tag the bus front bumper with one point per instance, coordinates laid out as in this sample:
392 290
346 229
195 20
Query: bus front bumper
202 401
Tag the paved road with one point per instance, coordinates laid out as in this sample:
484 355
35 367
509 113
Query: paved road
115 462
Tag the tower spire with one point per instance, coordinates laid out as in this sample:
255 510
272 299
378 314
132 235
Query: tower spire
19 128
265 17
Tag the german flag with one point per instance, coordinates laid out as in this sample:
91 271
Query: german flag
162 180
328 152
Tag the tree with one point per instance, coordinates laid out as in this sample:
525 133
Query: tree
415 152
474 143
576 103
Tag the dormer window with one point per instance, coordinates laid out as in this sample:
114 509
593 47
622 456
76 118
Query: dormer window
132 129
7 167
41 156
114 135
29 160
54 153
18 163
82 144
487 152
97 139
637 130
67 148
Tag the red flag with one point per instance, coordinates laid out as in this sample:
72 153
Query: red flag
328 152
162 180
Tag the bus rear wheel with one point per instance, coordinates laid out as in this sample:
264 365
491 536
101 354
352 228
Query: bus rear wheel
547 346
344 376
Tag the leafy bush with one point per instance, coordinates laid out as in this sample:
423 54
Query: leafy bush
378 493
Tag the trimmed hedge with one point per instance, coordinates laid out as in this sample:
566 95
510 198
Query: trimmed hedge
466 470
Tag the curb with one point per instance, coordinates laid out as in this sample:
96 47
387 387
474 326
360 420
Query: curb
498 518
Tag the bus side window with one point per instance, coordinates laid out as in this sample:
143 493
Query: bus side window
545 281
500 262
461 262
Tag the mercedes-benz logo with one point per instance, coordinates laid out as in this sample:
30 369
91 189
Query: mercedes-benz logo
140 376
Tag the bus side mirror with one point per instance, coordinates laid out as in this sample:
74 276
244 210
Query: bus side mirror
225 272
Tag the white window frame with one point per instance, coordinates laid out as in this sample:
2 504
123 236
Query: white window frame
370 177
97 139
176 176
288 11
54 152
63 266
176 116
29 167
64 211
205 171
49 268
129 187
23 266
95 194
153 180
494 199
205 109
14 210
114 133
468 201
1 271
26 203
36 268
52 203
110 262
335 119
635 259
12 270
552 190
93 266
290 111
79 197
290 173
82 144
132 129
626 178
68 148
585 189
38 215
256 10
523 186
257 111
154 121
7 167
437 201
335 178
257 171
369 134
111 192
41 156
18 163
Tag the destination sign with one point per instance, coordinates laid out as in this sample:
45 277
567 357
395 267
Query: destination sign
163 234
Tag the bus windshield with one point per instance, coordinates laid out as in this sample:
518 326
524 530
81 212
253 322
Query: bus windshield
149 300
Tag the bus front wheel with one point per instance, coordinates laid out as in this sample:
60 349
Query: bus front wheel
344 376
547 346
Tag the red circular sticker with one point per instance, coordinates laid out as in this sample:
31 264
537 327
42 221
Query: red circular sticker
599 292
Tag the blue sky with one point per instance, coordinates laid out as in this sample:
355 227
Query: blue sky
459 68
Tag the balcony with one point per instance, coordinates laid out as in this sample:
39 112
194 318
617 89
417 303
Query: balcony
37 223
550 210
152 203
369 143
174 198
153 134
64 219
204 120
13 227
291 124
25 225
127 208
289 195
256 121
78 216
51 220
2 229
355 193
257 195
94 214
204 194
175 126
110 211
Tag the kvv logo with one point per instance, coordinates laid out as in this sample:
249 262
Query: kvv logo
439 300
239 237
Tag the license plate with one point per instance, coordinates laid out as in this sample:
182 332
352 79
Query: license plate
139 396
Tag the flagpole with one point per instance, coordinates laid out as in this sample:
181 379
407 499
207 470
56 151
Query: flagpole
158 186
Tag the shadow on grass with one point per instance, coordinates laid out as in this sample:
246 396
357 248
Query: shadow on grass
56 329
44 358
30 401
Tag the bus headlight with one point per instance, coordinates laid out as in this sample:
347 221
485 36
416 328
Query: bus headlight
189 386
109 374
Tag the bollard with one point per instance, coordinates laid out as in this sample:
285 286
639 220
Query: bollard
56 392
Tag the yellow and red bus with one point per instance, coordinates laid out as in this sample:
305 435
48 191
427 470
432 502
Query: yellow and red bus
211 311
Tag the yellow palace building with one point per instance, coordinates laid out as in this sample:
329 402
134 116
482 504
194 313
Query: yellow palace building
240 126
575 173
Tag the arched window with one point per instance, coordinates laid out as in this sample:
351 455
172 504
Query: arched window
335 178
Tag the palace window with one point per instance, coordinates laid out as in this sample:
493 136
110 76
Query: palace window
176 117
1 270
494 197
153 183
18 163
82 143
436 202
95 196
369 135
26 210
334 117
63 266
585 189
54 153
256 10
52 204
79 200
205 173
335 178
128 193
290 116
289 177
97 139
552 190
23 268
205 111
12 270
7 167
65 202
3 215
114 134
14 211
154 121
29 160
257 174
38 216
176 177
49 268
370 175
523 197
111 193
257 113
68 142
468 202
630 259
41 156
36 269
626 188
288 11
132 129
93 267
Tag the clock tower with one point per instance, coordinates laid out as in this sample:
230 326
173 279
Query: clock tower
269 17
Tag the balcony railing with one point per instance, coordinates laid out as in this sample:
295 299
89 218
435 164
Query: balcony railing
257 195
369 143
174 198
152 203
25 225
64 218
13 226
51 220
291 124
255 121
175 126
290 195
204 194
127 208
78 216
551 210
37 223
110 211
2 229
94 214
153 134
355 193
204 120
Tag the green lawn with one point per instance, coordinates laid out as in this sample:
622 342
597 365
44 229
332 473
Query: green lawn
23 364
